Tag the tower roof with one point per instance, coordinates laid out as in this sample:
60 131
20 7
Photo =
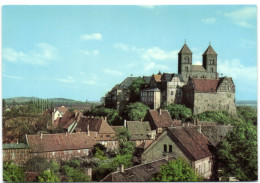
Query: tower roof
210 51
185 49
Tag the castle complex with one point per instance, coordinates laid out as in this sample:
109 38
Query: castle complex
196 86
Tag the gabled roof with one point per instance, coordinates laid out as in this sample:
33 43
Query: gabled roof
138 129
205 85
95 124
199 68
163 120
61 141
147 79
116 127
126 83
168 76
67 119
15 146
157 78
185 49
139 173
209 51
62 109
194 144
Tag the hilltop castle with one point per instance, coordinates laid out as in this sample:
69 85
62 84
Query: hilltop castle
196 86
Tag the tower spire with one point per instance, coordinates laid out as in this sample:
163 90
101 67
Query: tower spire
209 43
185 41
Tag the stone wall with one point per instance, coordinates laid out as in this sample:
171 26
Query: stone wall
204 167
18 156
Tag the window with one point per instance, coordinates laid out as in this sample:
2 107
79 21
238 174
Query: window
212 70
186 60
187 68
172 92
165 148
107 135
170 148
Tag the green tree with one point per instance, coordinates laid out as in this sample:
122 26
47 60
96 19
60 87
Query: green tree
13 173
247 114
75 175
178 111
37 164
177 171
123 137
135 89
54 166
135 111
99 154
48 176
238 153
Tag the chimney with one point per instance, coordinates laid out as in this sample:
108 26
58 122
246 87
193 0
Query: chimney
105 118
141 120
88 129
188 124
200 128
125 123
41 135
17 142
160 112
122 169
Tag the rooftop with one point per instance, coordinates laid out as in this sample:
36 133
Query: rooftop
161 120
138 129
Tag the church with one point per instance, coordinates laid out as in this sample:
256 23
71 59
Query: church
196 86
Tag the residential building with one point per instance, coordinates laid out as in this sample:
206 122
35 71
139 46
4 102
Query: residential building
184 142
18 153
58 112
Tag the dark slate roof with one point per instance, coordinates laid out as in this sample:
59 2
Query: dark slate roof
139 173
169 76
198 68
95 124
138 130
209 51
15 146
205 85
151 89
147 79
163 120
126 83
194 144
61 141
185 49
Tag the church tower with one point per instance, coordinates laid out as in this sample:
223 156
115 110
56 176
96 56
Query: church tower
184 60
210 62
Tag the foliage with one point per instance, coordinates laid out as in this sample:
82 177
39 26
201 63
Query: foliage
99 154
48 176
238 152
75 175
176 171
112 115
178 111
37 164
12 173
54 166
247 114
221 117
123 137
135 89
74 163
135 111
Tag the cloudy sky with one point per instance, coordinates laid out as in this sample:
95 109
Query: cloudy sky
81 52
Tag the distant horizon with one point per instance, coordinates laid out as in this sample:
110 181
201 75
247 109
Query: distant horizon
82 51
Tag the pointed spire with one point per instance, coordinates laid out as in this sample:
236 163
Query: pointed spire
210 51
159 73
185 48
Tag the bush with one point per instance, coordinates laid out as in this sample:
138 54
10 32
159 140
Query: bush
178 111
75 175
37 164
12 172
48 176
135 111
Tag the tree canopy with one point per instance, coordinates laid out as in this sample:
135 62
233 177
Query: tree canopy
178 111
176 171
13 173
135 111
238 153
48 176
135 89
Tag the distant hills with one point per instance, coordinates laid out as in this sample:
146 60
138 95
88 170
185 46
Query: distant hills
246 103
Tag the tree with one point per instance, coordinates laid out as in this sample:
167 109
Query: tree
176 171
178 111
37 164
123 137
48 176
75 175
238 153
13 173
135 89
135 111
247 114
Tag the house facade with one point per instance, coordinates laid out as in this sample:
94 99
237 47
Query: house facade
185 142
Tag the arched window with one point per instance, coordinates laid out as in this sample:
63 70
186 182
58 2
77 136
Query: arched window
186 60
165 148
170 148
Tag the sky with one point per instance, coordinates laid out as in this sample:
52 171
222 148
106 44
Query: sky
81 52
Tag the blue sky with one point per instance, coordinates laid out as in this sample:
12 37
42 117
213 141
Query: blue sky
81 52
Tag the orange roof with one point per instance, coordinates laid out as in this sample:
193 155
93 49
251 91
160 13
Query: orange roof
157 78
205 85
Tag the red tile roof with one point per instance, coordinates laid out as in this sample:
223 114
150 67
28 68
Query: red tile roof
163 120
194 144
62 109
67 119
61 141
205 85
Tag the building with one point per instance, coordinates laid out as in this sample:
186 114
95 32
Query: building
61 145
139 173
210 95
104 133
68 121
151 97
185 142
18 153
58 112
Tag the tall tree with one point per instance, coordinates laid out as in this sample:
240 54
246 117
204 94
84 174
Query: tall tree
135 89
178 111
238 153
135 111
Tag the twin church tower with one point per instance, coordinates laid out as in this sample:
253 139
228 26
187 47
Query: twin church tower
208 69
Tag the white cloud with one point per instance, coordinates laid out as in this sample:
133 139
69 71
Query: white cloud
159 54
94 36
13 77
152 66
121 46
69 79
42 54
88 53
209 20
242 16
112 72
235 69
